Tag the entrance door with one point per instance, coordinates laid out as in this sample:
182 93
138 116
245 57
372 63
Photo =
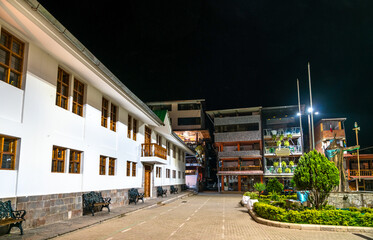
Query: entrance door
147 181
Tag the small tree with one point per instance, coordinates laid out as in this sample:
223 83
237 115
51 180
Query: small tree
274 185
259 187
318 175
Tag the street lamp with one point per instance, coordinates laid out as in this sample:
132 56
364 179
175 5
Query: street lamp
310 111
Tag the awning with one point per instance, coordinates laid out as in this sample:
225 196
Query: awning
256 172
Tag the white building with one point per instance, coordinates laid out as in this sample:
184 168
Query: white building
69 126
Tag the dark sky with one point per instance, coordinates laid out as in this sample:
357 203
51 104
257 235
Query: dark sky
236 53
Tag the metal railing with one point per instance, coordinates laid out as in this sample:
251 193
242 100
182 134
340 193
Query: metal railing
153 150
293 149
275 170
363 172
242 168
284 131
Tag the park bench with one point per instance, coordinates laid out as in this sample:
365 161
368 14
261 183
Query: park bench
94 199
173 189
10 217
135 196
161 192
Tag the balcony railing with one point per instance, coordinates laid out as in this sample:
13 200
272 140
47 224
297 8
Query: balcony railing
153 150
284 131
363 172
294 149
279 170
242 168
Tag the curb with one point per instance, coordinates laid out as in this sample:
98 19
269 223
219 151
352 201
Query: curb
314 227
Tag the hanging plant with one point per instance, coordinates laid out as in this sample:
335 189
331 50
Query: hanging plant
274 137
279 170
281 137
286 143
291 164
278 143
289 136
275 164
287 170
283 164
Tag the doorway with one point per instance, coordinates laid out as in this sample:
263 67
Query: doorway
147 181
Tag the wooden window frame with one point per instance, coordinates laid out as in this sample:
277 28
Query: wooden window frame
129 127
104 112
167 173
59 93
56 160
112 166
134 129
78 93
73 161
102 168
8 49
12 152
134 169
128 169
113 117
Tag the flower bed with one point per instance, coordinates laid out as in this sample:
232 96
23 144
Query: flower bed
363 218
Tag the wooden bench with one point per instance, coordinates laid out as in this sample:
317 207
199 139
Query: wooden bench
161 192
95 199
10 217
135 196
173 189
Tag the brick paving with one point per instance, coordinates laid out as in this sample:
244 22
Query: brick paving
203 216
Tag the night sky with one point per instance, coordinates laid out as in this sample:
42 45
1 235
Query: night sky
236 53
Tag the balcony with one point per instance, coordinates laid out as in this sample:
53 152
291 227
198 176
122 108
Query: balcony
294 131
328 135
279 171
249 153
242 168
363 173
237 136
153 153
294 150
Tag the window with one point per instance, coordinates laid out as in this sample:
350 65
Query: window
58 159
183 175
113 117
75 159
158 172
177 153
8 148
174 151
173 173
238 127
134 129
179 174
102 165
128 168
159 139
167 173
133 169
104 112
129 129
168 148
111 166
78 97
11 59
62 97
189 106
189 121
161 107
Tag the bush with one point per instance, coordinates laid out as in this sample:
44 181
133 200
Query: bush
313 216
259 187
274 185
252 195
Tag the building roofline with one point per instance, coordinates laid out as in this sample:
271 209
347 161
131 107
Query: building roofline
212 113
176 101
37 7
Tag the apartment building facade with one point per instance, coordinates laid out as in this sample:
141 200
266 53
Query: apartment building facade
69 126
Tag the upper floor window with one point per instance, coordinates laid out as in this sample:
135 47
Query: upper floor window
168 148
78 97
113 117
8 148
237 127
173 173
129 128
102 165
134 135
111 166
189 121
11 59
167 173
188 106
58 159
62 97
167 107
75 159
128 168
104 112
158 172
133 169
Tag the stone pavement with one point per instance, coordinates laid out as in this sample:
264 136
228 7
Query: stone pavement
71 225
200 217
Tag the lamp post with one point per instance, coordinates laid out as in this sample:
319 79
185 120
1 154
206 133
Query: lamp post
311 128
309 82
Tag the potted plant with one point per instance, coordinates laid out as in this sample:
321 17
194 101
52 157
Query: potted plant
287 170
291 164
283 164
278 143
275 164
286 143
279 170
274 137
289 136
281 137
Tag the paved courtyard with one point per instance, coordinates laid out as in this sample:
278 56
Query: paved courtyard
203 216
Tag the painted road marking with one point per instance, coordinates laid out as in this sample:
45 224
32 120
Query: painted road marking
126 230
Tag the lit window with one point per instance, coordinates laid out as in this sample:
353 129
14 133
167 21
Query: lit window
112 166
104 112
62 97
113 117
74 164
78 97
8 148
102 165
11 59
58 159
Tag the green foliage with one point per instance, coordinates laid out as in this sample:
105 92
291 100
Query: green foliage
275 164
317 174
274 196
291 163
283 164
287 170
274 185
259 187
279 170
313 216
286 143
252 195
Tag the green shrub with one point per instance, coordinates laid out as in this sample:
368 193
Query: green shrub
292 196
328 207
252 195
259 187
353 209
274 196
274 185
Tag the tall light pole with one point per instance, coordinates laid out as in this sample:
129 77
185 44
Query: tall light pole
300 117
312 129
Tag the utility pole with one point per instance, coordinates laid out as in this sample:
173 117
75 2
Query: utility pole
356 129
309 82
300 117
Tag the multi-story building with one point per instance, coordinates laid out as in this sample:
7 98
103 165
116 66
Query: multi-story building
365 183
189 123
69 126
238 139
328 128
283 142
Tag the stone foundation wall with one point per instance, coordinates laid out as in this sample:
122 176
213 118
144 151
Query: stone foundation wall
351 199
48 209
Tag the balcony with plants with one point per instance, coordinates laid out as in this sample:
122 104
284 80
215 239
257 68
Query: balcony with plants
282 140
281 166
